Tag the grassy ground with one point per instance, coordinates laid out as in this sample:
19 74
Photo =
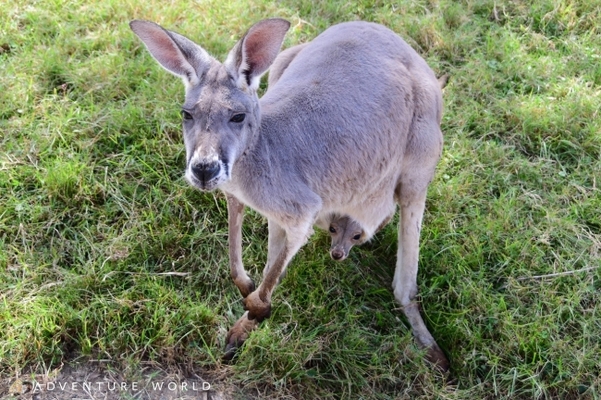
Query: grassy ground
106 253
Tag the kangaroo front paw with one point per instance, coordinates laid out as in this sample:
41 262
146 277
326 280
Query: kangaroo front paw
245 285
237 335
257 308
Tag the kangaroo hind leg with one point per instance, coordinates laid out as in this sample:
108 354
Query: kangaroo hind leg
412 204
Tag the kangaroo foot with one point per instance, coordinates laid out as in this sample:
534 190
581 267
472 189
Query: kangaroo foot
258 309
435 356
237 335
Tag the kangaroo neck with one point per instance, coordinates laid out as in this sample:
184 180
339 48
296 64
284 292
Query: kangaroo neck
253 170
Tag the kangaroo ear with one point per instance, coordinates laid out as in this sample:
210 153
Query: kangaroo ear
176 53
255 52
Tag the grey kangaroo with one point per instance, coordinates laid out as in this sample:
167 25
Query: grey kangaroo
346 233
351 126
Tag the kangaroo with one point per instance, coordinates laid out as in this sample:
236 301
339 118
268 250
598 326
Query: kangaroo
346 233
351 126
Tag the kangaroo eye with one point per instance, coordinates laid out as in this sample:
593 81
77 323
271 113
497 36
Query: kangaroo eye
357 236
186 115
238 118
332 229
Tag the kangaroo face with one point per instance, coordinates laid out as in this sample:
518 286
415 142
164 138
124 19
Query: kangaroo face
345 233
218 120
221 110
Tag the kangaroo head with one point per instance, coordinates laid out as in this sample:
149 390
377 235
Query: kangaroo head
221 113
345 233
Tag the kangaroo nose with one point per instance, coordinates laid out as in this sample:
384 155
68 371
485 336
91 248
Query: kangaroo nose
337 254
205 172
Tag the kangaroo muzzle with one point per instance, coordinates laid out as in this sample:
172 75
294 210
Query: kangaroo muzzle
205 172
337 254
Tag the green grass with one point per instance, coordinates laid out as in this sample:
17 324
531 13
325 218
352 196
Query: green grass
106 252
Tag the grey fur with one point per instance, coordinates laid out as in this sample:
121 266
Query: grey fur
351 126
281 63
344 231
